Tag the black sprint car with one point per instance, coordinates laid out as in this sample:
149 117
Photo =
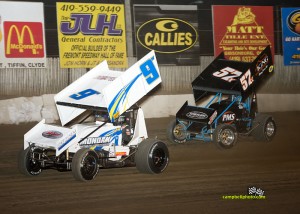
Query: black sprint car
232 109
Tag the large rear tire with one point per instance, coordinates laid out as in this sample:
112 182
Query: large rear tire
264 128
85 165
152 157
225 136
176 133
27 164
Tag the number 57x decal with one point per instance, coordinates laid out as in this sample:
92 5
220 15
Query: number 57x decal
228 74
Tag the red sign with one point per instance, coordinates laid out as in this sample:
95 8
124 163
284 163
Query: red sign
23 39
242 32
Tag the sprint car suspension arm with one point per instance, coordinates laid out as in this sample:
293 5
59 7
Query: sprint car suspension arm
249 132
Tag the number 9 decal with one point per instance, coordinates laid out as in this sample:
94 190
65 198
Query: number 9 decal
149 71
84 94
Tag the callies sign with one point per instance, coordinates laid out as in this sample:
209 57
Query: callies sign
167 35
173 36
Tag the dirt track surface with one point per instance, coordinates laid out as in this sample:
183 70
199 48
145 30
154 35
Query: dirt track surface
197 178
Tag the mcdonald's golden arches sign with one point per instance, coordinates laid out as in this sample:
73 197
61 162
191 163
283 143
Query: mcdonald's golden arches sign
22 38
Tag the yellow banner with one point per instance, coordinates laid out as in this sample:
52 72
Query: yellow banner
91 33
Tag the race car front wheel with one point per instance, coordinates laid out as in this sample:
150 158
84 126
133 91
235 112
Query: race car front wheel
176 133
85 165
225 136
28 161
264 128
152 156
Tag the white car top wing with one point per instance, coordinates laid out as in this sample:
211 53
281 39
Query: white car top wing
115 91
87 91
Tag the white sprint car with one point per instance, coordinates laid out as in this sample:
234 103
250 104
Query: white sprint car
115 137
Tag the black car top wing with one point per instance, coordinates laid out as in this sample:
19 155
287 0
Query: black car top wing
233 77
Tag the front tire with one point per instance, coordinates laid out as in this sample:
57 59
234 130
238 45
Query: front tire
152 157
176 133
225 136
85 165
27 162
265 128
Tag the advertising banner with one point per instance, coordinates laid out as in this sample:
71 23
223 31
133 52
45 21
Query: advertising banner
91 33
170 30
242 32
22 35
291 35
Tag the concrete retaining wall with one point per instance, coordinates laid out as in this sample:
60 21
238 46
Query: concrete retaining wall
29 109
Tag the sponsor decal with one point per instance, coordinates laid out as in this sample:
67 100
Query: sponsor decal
121 153
197 115
107 78
271 68
104 141
293 22
167 35
262 64
63 144
23 39
113 134
212 117
228 117
52 134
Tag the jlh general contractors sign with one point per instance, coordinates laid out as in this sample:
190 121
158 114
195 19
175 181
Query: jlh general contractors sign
91 33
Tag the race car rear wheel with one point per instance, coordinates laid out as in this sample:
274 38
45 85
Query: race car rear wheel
28 163
264 128
85 165
225 136
152 156
176 133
